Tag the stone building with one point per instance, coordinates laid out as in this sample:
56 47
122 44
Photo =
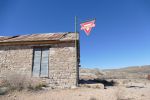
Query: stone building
49 56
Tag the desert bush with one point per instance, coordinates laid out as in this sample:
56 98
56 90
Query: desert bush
36 84
98 72
93 98
119 94
148 77
15 81
3 90
18 81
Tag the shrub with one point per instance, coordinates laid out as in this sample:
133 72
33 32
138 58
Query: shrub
148 77
119 94
36 85
98 72
93 98
3 90
18 81
15 81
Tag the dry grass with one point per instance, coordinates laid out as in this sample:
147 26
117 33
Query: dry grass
15 81
18 81
119 93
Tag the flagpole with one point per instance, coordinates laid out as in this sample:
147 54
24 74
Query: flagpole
76 53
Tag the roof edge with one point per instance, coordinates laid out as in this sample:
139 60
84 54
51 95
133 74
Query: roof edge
16 43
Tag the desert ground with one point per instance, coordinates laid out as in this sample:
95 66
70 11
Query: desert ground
92 88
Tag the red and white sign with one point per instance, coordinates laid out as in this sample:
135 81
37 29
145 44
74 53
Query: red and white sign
87 26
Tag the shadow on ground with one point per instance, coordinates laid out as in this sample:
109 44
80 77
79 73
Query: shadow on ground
94 81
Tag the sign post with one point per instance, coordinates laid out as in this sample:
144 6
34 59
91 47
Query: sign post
76 51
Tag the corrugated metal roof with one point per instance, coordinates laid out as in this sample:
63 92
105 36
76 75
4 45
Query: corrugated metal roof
33 37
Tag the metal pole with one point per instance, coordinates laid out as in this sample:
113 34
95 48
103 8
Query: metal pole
76 52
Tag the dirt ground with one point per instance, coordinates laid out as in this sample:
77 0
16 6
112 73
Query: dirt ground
125 90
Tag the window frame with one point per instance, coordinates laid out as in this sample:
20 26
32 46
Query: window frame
33 56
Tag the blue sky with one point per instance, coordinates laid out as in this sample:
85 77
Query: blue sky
121 36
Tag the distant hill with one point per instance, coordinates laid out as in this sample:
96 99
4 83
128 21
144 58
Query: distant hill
133 69
122 73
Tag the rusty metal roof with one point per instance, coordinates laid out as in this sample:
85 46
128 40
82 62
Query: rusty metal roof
33 37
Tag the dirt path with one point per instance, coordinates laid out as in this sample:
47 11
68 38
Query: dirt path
73 94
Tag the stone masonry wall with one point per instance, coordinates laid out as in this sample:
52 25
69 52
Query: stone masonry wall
16 59
62 65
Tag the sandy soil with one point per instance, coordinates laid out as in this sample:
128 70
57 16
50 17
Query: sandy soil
125 90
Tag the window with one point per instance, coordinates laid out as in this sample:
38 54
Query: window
40 62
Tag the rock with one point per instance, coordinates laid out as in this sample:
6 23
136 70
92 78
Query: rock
97 85
9 95
3 90
73 87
